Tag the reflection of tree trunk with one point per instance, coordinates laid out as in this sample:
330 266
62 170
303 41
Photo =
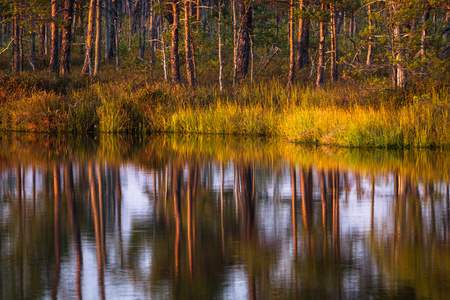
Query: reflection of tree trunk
101 209
190 183
372 203
294 217
323 198
98 234
248 213
176 186
69 186
119 211
306 186
57 225
221 207
336 230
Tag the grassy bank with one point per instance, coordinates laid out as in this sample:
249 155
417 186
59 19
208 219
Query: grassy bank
354 114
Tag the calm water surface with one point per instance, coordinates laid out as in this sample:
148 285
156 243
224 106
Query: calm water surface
186 217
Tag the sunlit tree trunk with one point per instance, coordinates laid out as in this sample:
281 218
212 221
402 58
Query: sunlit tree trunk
98 37
87 66
41 50
174 56
116 32
16 36
243 44
321 60
187 42
220 47
235 41
66 36
334 45
291 75
54 38
371 28
400 78
423 42
153 34
303 38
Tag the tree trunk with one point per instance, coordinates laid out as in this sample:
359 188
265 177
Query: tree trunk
67 36
187 42
54 39
16 37
42 40
33 45
109 30
321 59
423 42
370 47
291 45
233 3
87 67
243 44
174 56
98 37
220 47
153 34
303 38
334 45
116 31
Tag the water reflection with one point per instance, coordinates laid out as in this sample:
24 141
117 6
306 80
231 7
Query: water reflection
213 217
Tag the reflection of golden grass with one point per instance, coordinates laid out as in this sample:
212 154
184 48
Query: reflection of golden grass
156 151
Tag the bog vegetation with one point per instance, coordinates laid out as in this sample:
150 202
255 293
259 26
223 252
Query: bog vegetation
349 73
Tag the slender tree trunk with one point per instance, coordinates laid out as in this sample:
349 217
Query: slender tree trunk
220 47
303 38
334 45
16 37
54 39
187 42
109 24
116 32
423 42
98 37
87 67
400 79
153 33
243 47
174 56
371 28
235 40
321 60
42 40
291 45
67 36
33 44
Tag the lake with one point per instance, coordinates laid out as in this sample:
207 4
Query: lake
220 217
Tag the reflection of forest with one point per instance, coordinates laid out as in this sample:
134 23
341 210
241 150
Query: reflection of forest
276 228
